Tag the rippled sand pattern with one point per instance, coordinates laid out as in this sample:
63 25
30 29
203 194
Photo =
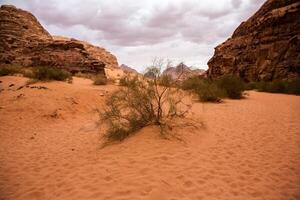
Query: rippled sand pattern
49 149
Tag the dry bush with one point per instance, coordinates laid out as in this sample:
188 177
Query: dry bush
100 80
205 89
291 86
6 70
214 90
232 85
48 73
142 102
84 75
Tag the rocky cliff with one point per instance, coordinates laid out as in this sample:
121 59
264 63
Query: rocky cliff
23 41
265 47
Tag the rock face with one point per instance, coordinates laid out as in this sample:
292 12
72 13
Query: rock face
264 48
183 72
23 41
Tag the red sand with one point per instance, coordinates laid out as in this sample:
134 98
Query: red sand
50 149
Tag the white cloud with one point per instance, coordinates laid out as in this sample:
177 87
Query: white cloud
137 31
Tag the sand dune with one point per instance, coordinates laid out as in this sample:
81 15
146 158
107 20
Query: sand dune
50 148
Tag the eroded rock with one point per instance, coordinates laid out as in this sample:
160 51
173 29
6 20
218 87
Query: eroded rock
23 41
265 47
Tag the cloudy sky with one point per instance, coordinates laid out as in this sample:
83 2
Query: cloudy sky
136 31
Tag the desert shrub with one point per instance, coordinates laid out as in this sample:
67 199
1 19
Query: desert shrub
47 74
28 72
166 80
141 102
250 86
288 87
129 81
209 92
293 86
232 85
123 81
84 75
100 80
128 109
192 83
205 89
275 87
10 70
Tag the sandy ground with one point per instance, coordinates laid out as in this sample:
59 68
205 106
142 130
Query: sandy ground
50 149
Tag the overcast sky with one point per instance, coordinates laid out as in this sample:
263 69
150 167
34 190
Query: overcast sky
136 31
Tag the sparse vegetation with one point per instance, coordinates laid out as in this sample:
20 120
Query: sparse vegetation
37 73
141 102
287 87
214 90
232 85
209 92
10 70
205 89
84 75
166 80
100 80
48 74
128 80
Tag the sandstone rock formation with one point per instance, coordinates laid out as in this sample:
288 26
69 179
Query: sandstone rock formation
23 41
266 47
183 72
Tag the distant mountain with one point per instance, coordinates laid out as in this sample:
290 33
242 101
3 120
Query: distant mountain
128 69
183 72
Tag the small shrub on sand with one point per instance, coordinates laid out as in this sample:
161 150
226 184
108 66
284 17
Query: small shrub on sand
128 81
84 75
10 70
141 102
286 87
293 86
232 85
209 92
206 90
192 83
100 80
48 74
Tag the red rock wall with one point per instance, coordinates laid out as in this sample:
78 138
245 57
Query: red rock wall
265 47
23 41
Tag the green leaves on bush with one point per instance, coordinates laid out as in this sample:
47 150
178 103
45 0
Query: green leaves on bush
38 73
10 70
214 91
47 74
286 87
129 109
205 89
232 85
142 102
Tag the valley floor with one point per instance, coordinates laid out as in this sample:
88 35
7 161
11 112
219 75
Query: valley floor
50 148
